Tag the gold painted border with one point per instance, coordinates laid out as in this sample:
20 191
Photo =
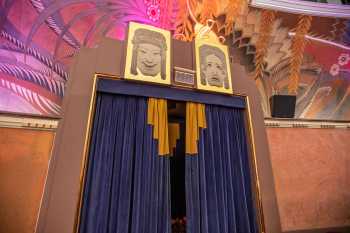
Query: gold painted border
87 141
252 158
254 167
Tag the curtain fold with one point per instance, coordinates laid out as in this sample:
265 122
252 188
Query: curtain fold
218 187
127 183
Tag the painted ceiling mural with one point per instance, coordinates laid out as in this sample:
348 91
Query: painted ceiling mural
38 39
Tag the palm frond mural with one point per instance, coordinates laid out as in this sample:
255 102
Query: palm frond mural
38 38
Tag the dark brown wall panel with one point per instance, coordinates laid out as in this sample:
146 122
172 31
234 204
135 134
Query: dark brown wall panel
24 158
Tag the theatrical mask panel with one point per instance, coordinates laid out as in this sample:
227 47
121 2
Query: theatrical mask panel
213 68
148 54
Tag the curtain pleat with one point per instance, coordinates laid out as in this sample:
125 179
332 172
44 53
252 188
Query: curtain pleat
127 184
218 187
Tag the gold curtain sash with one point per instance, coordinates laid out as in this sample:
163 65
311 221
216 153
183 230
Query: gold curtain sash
157 116
195 119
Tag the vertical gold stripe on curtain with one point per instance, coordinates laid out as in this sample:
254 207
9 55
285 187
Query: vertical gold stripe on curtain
158 117
174 135
195 119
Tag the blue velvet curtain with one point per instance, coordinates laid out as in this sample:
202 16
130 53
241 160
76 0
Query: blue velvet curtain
218 187
127 187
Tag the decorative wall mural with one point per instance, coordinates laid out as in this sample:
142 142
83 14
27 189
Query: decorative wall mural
323 90
38 39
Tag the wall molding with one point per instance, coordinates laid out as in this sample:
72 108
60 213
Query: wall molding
304 7
304 123
9 121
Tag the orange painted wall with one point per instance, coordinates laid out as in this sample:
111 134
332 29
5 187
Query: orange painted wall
24 157
312 176
311 170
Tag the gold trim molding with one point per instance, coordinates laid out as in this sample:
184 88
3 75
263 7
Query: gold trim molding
87 140
253 163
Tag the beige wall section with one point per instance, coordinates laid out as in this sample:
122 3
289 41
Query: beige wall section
312 173
24 159
61 196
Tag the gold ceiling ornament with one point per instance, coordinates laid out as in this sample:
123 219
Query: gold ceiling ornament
297 48
266 25
185 20
232 11
209 10
205 32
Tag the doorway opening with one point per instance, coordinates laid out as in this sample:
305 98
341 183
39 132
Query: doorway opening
177 115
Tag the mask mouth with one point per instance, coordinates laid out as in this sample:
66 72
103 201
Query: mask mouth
215 79
149 65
